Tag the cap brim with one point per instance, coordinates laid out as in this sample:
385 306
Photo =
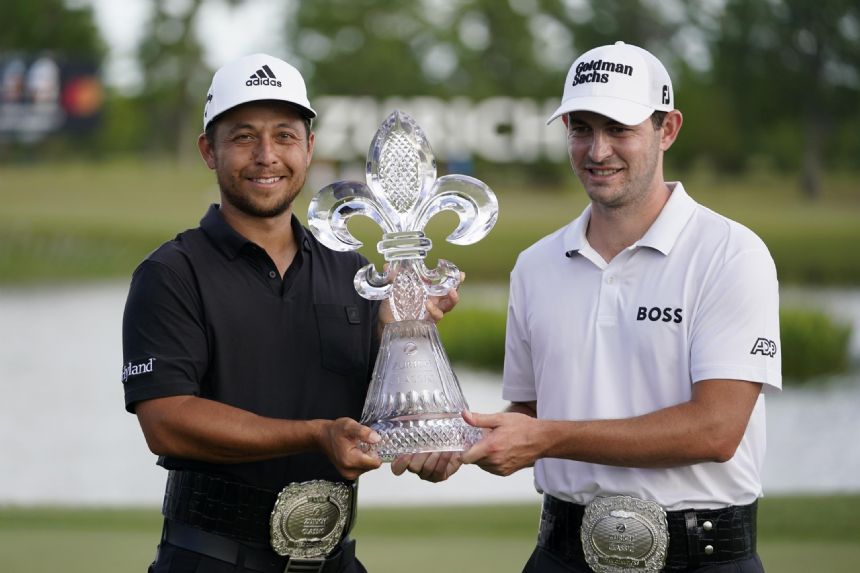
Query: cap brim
622 111
302 109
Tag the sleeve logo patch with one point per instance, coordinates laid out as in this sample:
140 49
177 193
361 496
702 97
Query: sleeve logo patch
764 346
130 369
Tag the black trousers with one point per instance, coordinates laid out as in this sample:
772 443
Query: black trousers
544 561
171 559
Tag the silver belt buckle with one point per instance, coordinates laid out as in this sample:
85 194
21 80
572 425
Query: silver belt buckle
622 533
308 521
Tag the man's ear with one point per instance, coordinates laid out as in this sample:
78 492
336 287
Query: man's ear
671 126
206 151
311 139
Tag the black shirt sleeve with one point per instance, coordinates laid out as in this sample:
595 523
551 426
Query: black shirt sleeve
165 350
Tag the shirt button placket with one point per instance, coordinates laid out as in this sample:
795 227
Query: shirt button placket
608 301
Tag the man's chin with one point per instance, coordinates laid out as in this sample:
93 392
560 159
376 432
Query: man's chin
257 210
271 213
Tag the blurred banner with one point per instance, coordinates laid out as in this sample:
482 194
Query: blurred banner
43 95
499 129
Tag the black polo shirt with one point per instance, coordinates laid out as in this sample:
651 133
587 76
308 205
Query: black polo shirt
208 315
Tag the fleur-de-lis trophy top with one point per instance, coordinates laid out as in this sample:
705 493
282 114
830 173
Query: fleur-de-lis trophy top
402 194
414 401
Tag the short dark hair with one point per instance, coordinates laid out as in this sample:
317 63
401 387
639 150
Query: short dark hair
657 118
209 132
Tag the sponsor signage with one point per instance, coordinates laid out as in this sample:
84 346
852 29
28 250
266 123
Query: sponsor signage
42 95
499 129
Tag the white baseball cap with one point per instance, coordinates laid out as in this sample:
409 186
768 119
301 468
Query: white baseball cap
621 81
254 78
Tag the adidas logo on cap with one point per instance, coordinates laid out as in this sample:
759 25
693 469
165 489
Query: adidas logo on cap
263 77
274 79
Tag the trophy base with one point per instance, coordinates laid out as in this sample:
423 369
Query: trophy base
414 435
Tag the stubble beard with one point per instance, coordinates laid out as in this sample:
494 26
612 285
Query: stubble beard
246 204
631 193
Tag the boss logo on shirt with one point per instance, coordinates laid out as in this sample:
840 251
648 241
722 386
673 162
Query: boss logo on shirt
661 314
130 369
764 346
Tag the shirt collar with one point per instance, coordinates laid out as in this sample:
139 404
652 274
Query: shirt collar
574 236
662 234
231 242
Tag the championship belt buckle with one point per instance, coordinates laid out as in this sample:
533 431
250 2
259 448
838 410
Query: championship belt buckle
309 518
622 533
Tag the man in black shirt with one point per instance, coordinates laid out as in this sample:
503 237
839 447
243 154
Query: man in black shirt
247 351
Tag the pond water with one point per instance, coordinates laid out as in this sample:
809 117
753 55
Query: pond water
65 437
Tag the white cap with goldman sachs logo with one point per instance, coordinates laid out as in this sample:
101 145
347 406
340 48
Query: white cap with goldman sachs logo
254 78
621 81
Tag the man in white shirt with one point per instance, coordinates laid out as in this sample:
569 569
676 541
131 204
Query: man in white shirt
641 338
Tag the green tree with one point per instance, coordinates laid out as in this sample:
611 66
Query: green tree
36 26
790 69
171 57
382 48
469 48
477 48
640 22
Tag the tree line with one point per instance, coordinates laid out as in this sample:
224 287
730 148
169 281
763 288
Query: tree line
762 83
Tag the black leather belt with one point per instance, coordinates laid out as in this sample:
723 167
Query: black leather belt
261 559
218 505
696 536
229 521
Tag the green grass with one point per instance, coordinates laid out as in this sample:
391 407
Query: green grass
796 535
91 221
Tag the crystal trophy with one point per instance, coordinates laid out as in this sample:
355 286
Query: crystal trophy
414 401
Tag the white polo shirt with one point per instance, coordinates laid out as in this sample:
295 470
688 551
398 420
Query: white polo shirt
695 299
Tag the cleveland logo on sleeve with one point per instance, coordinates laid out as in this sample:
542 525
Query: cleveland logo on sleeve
130 369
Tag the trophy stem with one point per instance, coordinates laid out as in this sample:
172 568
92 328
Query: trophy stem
415 401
